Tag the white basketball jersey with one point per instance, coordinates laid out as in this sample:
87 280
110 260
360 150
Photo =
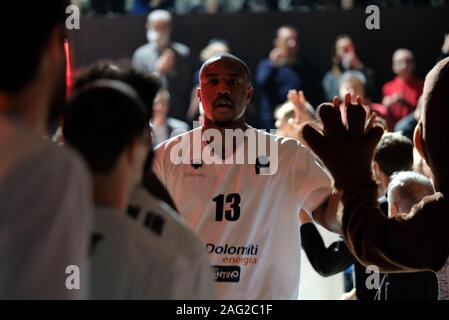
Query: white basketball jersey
246 214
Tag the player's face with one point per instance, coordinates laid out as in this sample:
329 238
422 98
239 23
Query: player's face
224 91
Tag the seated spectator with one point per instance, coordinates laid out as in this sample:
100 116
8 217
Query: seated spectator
345 58
354 82
164 127
393 153
404 191
407 125
401 94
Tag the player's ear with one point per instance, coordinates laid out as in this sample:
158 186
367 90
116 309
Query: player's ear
249 93
131 150
393 209
198 93
376 169
419 141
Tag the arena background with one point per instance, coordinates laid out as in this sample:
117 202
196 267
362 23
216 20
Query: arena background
250 36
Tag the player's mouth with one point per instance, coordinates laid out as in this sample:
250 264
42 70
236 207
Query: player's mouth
223 103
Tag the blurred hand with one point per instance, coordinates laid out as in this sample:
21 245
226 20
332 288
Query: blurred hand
351 61
394 98
298 100
346 151
166 62
278 57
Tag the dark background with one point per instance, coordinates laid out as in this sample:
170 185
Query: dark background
250 36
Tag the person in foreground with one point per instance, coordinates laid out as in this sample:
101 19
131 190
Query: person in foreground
413 242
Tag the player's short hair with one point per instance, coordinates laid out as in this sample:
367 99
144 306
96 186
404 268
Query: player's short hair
145 84
102 119
228 57
25 29
436 128
353 75
394 153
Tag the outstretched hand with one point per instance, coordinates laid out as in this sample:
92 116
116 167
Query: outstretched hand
347 150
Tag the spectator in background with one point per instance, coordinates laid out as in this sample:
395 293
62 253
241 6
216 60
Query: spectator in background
404 191
393 153
102 7
344 58
143 7
279 73
407 125
401 94
163 126
354 82
167 59
292 113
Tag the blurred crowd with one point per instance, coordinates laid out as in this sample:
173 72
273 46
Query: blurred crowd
142 7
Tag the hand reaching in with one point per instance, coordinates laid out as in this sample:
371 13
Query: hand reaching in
346 150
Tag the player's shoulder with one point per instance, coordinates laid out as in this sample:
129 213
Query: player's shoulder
283 143
62 163
130 240
172 226
183 138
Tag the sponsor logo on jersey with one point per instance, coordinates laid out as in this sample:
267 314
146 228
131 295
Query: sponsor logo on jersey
196 164
194 174
249 250
235 255
227 273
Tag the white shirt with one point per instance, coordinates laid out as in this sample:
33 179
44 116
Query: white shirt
178 238
247 215
130 262
45 217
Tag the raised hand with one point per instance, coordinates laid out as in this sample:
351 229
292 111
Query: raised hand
166 62
347 149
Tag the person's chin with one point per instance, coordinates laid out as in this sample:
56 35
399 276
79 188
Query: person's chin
223 122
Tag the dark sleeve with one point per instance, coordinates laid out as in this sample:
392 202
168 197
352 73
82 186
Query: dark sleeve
152 184
265 73
411 242
325 261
